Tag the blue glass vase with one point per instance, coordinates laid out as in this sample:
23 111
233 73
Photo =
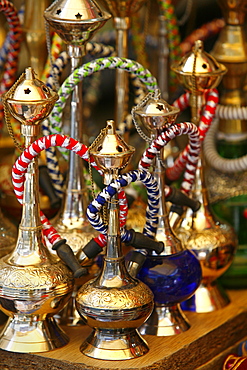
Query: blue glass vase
173 279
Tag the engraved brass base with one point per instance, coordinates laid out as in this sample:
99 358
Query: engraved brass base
165 321
207 298
26 334
107 344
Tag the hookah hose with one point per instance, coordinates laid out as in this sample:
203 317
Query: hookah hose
173 173
18 178
11 47
130 237
213 158
68 86
193 150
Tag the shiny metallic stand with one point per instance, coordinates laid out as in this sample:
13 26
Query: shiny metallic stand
114 304
167 318
213 242
75 22
34 285
121 12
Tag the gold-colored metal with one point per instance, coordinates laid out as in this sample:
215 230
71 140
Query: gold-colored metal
231 50
34 285
122 11
157 115
8 235
75 21
213 242
207 74
114 304
35 34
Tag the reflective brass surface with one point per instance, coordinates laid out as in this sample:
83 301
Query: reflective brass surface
205 68
32 101
123 8
114 304
157 115
231 50
111 152
34 34
76 21
165 321
34 285
213 242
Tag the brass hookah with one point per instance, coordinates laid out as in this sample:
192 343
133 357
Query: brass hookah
34 285
114 304
212 241
122 11
174 274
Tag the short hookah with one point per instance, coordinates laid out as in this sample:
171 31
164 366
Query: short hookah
174 274
212 241
114 304
122 12
34 284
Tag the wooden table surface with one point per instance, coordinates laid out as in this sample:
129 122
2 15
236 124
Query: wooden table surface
204 346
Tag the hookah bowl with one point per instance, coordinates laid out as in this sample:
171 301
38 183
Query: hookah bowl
175 274
34 285
213 242
114 304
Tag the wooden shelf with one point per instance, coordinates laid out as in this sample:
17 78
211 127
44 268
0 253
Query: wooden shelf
204 346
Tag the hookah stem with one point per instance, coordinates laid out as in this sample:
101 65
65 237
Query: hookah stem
14 41
211 96
192 154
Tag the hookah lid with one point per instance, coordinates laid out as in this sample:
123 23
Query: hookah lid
76 20
109 150
155 113
30 100
201 65
123 8
32 89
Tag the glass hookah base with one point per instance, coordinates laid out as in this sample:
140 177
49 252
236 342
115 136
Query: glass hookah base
165 321
207 298
32 336
114 344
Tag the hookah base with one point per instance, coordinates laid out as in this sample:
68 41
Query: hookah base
105 344
27 336
165 321
207 298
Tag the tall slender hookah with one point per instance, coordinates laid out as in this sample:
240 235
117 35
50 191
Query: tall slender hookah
34 285
213 241
122 12
114 304
175 274
75 22
228 136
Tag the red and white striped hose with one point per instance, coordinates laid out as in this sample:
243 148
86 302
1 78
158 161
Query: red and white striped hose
192 155
20 167
212 97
